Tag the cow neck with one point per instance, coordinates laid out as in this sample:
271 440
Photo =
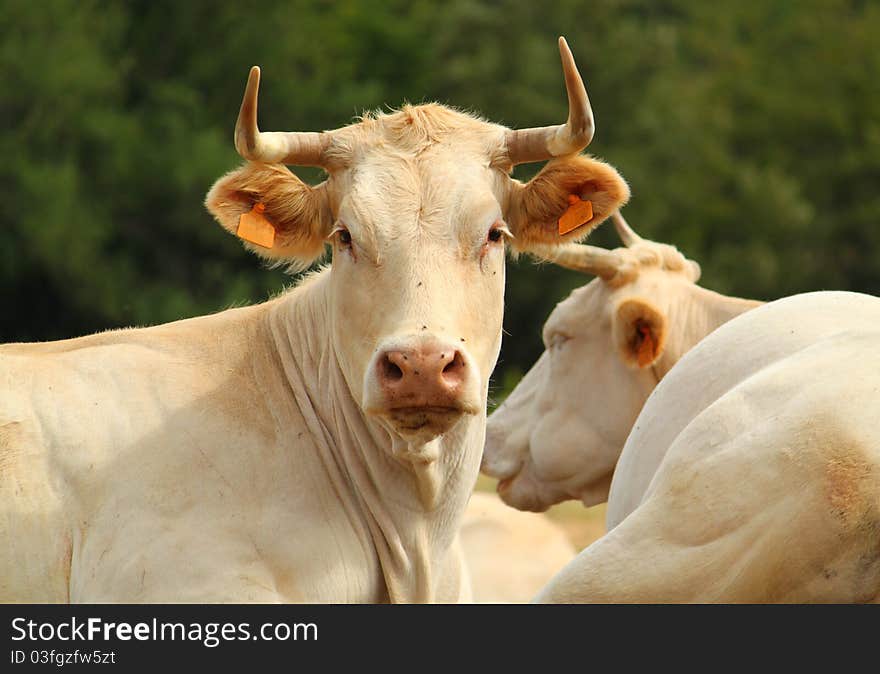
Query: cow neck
695 316
410 510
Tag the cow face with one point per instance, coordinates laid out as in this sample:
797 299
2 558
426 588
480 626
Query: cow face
418 208
418 275
560 432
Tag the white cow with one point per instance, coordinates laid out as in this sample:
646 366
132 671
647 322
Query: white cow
753 472
560 432
510 554
321 446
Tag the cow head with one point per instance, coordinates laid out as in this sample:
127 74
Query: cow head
418 207
560 432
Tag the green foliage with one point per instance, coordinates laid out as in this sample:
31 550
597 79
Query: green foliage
749 132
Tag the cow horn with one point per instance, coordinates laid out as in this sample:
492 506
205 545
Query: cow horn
624 231
288 147
585 259
538 144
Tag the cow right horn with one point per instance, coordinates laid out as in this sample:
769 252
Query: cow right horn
297 148
538 144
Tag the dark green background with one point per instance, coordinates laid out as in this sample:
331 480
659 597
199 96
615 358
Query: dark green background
749 132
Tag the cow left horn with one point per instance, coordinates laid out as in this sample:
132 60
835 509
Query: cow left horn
538 144
288 147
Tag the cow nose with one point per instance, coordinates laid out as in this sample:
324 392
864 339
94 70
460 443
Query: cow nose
424 376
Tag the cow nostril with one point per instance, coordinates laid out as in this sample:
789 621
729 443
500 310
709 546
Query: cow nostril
390 371
454 369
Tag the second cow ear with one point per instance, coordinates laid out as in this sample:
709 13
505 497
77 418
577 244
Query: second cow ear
299 214
534 208
639 332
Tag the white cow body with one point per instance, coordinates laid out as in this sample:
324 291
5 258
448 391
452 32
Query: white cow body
223 479
510 554
753 471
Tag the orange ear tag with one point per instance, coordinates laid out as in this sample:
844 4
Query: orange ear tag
255 228
578 214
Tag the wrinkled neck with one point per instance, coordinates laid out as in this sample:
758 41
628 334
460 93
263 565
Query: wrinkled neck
698 313
410 509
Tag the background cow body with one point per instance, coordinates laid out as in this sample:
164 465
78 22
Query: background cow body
753 472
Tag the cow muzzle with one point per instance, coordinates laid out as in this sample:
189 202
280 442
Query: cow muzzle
421 387
506 458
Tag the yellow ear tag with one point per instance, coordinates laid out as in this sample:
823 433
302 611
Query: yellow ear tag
578 214
255 228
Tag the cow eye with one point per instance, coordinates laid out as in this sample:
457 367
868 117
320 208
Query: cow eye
342 235
556 340
493 238
498 232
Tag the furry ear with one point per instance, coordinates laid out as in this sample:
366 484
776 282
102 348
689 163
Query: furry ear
534 209
639 332
299 213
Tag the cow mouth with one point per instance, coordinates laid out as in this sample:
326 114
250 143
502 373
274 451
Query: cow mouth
416 418
423 422
426 409
522 493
